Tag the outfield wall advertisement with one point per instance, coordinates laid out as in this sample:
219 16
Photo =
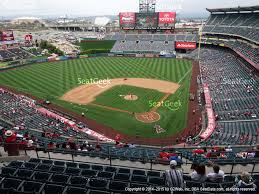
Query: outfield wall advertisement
185 45
127 20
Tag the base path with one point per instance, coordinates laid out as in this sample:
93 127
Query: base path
111 108
85 94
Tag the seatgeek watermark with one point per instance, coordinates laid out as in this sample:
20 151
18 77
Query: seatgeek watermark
101 83
173 106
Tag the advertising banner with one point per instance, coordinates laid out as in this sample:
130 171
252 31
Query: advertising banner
185 45
166 20
127 20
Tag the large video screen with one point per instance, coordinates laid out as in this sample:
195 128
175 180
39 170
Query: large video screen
7 35
127 20
166 20
146 20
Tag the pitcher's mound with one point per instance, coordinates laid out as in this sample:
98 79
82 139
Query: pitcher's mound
130 97
147 117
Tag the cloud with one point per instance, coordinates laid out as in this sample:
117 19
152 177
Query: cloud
108 7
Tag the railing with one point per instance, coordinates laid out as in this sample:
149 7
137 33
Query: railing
109 159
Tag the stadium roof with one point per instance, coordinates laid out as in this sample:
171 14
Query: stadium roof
236 9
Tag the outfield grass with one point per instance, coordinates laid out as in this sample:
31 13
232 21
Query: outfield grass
52 80
3 65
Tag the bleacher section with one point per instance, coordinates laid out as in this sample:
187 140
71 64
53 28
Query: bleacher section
248 50
63 177
245 25
148 43
234 91
14 54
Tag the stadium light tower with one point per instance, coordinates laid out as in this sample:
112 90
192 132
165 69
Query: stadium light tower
200 37
147 6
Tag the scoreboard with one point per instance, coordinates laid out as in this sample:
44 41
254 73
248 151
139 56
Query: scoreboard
146 20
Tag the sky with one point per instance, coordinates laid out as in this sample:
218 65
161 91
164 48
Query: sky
14 8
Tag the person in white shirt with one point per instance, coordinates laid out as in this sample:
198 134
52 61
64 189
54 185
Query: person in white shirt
199 173
217 175
228 149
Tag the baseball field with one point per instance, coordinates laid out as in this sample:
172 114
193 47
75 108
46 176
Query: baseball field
145 97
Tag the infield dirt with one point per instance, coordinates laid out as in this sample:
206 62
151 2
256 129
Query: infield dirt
85 94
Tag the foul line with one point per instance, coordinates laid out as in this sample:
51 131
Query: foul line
154 109
184 76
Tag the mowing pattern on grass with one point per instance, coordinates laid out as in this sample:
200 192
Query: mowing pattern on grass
52 80
113 98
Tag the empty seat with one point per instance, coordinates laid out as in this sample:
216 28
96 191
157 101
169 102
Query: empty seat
139 172
88 173
75 190
43 167
107 175
59 163
117 186
29 165
110 169
47 162
122 177
9 184
17 164
153 173
73 171
59 178
78 181
97 167
84 166
53 189
30 187
41 176
98 192
124 170
190 184
138 178
24 173
98 183
71 164
7 171
156 181
58 169
35 160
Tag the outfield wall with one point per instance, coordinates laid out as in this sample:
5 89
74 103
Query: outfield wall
15 64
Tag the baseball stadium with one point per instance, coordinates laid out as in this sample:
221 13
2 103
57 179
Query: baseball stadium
144 101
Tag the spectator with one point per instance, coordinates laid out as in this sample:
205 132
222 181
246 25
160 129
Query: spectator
98 147
51 145
174 177
217 175
228 149
30 143
177 159
246 182
199 173
64 145
126 145
132 145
